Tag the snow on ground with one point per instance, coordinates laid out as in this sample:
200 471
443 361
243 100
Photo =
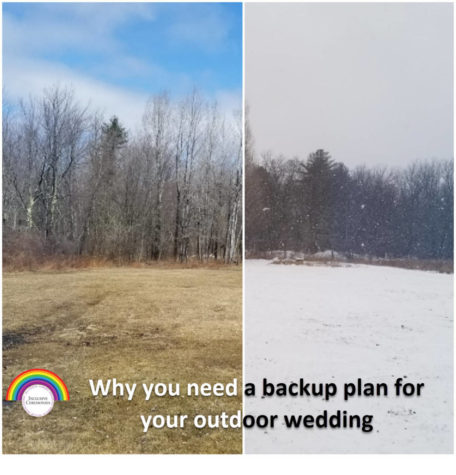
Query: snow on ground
337 324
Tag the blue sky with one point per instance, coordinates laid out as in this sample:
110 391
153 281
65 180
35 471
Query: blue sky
116 55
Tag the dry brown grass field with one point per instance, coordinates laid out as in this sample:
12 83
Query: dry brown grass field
143 325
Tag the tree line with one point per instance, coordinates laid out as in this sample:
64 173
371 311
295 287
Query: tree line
319 204
75 184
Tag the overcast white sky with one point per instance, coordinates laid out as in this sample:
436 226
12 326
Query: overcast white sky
370 83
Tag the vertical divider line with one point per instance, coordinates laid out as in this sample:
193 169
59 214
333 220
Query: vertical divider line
243 224
454 230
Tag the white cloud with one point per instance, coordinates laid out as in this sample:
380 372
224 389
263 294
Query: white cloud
206 27
44 32
229 101
25 76
77 27
34 76
59 27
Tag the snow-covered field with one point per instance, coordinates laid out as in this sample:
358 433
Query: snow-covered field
337 324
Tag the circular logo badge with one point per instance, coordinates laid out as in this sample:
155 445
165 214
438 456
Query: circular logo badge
37 400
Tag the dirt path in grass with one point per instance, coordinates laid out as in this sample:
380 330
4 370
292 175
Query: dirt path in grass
136 325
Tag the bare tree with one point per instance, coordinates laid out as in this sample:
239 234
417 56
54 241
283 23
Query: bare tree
85 186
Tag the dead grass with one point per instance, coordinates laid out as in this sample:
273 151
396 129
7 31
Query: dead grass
136 325
26 261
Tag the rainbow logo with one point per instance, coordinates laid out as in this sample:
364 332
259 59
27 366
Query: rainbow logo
37 376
